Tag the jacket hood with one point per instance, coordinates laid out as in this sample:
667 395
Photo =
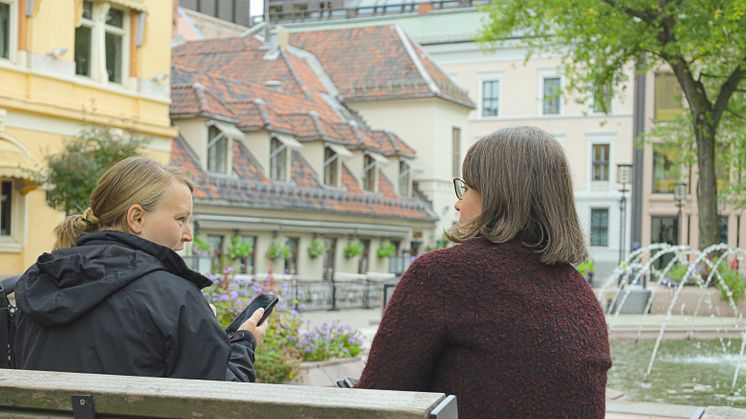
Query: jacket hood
67 283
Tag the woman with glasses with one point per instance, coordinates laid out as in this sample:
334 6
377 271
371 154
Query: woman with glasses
502 320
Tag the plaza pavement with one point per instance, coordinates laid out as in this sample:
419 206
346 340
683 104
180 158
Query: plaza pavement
622 326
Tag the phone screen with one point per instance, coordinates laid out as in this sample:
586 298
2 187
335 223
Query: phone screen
265 301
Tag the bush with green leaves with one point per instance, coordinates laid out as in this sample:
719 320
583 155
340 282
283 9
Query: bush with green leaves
316 248
278 250
73 172
386 249
330 341
354 248
200 246
585 267
735 284
239 249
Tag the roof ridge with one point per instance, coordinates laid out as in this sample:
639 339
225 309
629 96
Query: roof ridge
416 60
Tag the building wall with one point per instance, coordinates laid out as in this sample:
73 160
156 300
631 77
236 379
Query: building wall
426 125
576 126
43 103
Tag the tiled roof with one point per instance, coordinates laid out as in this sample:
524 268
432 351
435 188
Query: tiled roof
250 189
346 55
189 101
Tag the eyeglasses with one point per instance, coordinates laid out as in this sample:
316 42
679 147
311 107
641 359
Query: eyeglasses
459 186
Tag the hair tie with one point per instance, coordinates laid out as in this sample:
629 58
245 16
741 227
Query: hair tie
89 217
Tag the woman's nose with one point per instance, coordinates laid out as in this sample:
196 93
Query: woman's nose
457 205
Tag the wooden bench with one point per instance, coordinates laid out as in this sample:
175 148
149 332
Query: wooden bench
53 394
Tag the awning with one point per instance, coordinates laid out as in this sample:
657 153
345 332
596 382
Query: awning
138 5
379 158
289 141
341 151
15 163
229 130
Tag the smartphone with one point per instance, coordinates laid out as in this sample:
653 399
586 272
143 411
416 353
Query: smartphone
265 301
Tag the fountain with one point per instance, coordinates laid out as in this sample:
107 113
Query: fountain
653 264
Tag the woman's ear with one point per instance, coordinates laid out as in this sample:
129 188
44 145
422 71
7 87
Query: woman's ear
135 217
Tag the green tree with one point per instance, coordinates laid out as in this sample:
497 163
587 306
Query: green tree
73 172
702 41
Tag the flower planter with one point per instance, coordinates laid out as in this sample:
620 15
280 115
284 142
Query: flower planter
326 373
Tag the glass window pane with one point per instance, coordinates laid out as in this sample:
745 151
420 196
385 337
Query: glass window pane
551 95
4 30
668 97
665 172
114 57
115 17
88 9
490 97
600 162
6 208
369 180
664 230
83 51
331 165
600 227
278 160
291 264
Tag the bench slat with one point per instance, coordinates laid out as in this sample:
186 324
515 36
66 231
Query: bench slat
169 397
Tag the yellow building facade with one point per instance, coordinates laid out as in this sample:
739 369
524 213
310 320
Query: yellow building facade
66 65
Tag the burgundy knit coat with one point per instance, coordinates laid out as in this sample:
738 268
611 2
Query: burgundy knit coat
490 323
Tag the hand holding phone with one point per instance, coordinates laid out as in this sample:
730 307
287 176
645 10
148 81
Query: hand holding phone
265 301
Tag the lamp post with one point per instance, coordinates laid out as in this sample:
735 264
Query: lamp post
624 178
679 194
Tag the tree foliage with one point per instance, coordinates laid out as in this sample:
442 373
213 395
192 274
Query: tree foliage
703 42
73 172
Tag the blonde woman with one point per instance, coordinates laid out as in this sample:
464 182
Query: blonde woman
114 297
502 320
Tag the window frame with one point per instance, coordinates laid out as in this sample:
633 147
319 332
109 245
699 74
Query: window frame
597 228
98 70
331 167
673 180
212 143
490 78
544 77
12 30
282 154
594 102
595 162
370 169
405 176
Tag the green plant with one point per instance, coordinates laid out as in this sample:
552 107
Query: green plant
239 248
677 272
354 248
734 281
200 246
278 250
386 249
316 248
585 267
74 171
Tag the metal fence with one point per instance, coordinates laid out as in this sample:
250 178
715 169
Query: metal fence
337 295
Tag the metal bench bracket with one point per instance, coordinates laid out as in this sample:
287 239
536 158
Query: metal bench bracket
83 406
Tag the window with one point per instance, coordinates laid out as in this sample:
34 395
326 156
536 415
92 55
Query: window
114 29
248 264
6 205
723 228
291 264
217 151
278 160
602 102
113 24
600 162
364 256
275 12
456 151
667 97
83 41
331 167
216 243
600 227
491 98
551 96
405 179
369 173
665 171
5 30
664 230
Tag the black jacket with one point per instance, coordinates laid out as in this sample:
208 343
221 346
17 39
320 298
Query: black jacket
119 304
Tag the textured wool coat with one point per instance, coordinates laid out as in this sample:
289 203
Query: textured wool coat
490 323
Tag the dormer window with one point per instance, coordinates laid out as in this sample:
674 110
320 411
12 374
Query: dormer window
217 151
332 154
405 179
369 173
278 160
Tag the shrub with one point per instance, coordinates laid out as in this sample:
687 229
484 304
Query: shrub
200 246
585 267
239 249
278 250
387 249
330 341
316 248
734 281
355 248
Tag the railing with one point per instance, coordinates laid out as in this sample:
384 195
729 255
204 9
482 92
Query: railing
316 295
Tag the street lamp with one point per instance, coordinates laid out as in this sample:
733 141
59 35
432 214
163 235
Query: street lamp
624 178
679 194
